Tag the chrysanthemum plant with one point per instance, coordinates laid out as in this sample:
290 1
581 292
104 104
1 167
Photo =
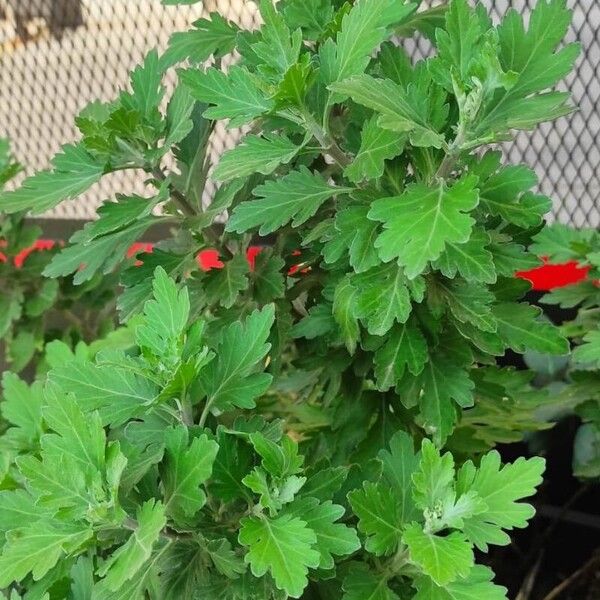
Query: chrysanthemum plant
318 422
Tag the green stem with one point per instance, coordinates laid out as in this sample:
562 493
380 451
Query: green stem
178 198
327 143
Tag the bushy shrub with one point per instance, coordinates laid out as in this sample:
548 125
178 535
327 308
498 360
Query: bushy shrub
317 422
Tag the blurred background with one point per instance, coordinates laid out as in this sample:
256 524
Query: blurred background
58 55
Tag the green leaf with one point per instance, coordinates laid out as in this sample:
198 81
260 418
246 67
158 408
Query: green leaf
44 299
312 16
398 111
179 112
379 517
279 460
241 349
210 37
444 559
325 483
377 145
74 171
506 195
404 348
589 351
344 300
127 560
333 539
22 404
18 509
226 561
562 243
477 585
268 277
146 85
38 548
434 479
470 303
77 435
223 286
284 546
295 197
471 259
165 316
117 394
420 223
235 95
10 309
400 462
362 584
278 48
383 298
103 253
520 329
531 55
255 154
353 233
443 384
499 488
363 28
457 45
233 462
183 470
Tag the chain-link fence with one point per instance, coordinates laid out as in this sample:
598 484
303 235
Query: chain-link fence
57 55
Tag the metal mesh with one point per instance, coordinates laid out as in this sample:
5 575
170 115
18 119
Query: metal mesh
57 55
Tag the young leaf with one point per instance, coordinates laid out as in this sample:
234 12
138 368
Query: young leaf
499 488
377 145
278 48
242 346
400 462
235 95
295 197
363 28
531 55
146 85
379 517
183 470
255 155
210 37
444 559
398 111
284 546
74 171
333 539
420 223
165 316
125 562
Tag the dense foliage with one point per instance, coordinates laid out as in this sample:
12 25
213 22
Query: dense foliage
35 310
319 421
574 380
